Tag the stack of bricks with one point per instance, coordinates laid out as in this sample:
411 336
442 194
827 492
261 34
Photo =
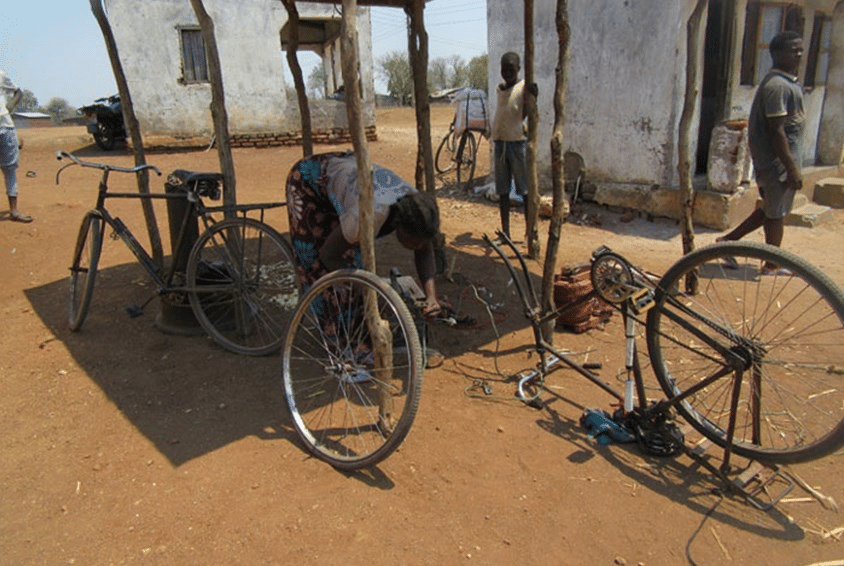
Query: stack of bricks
327 137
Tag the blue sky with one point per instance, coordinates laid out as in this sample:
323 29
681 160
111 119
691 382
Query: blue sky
54 48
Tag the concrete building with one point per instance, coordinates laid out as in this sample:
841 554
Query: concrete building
162 53
626 82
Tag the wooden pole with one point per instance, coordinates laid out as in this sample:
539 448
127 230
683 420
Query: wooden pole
296 70
532 201
687 193
418 49
558 177
218 103
379 330
134 132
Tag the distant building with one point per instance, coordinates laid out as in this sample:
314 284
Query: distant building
25 120
163 55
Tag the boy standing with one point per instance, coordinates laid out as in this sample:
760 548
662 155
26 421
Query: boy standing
508 135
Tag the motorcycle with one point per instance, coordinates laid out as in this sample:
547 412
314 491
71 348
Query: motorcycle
106 124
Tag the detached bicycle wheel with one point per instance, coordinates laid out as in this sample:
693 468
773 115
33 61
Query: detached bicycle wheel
444 158
350 407
756 360
83 270
242 285
467 150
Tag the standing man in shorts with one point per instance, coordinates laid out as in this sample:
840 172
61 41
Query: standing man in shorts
10 95
775 139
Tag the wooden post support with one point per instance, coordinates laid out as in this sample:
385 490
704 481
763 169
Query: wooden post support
532 201
417 39
298 81
218 103
134 131
684 146
558 177
382 343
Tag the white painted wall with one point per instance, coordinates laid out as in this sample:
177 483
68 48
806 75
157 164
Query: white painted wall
624 85
248 40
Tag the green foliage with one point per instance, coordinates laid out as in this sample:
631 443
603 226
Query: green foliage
28 102
59 109
316 82
394 67
478 72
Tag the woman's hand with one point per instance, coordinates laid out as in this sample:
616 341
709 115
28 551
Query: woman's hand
432 306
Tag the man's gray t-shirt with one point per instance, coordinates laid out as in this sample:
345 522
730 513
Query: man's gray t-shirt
778 95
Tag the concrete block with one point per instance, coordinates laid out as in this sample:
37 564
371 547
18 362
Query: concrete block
807 216
830 192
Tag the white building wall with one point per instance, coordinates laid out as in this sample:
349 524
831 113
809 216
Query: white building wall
625 83
249 44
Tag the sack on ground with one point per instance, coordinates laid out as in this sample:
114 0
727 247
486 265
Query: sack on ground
573 284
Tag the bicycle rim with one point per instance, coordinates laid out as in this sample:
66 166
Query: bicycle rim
785 338
243 285
444 158
349 408
83 271
466 159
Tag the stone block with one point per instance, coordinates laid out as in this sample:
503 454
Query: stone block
830 192
807 216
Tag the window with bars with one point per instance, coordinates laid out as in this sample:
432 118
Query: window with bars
817 62
763 21
194 62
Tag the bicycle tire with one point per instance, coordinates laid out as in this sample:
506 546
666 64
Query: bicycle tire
332 387
242 285
787 332
83 270
444 158
466 161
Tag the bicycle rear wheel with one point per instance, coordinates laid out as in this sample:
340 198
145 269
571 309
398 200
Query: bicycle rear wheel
349 408
755 360
242 285
467 150
444 159
83 270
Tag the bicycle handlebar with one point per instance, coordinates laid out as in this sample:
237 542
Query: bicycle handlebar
105 167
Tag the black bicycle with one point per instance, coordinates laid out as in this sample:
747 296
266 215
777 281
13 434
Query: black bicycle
239 278
752 358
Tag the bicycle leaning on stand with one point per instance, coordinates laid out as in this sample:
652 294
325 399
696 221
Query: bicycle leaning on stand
238 279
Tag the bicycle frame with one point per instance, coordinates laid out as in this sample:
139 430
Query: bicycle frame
197 211
639 302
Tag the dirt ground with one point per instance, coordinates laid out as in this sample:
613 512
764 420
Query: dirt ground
127 445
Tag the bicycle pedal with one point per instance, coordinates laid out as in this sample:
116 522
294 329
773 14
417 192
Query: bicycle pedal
134 311
641 301
756 486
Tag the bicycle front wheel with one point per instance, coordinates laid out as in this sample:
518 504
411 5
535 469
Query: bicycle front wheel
83 270
351 403
444 159
242 285
752 360
467 151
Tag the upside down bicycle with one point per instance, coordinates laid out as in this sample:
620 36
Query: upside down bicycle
753 361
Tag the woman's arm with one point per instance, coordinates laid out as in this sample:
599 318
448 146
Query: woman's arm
331 252
426 269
